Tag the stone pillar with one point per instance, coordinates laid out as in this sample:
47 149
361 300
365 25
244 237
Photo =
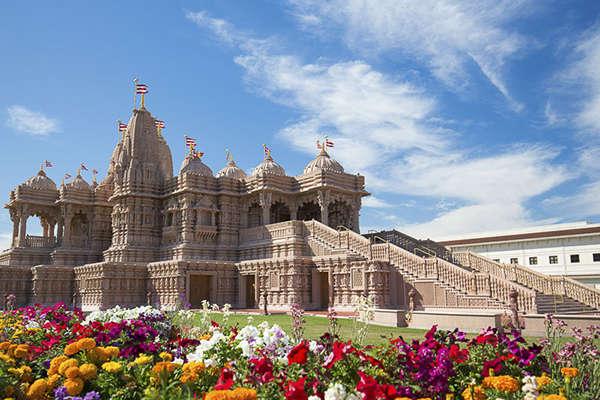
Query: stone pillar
265 203
294 213
15 219
59 233
514 308
324 200
67 232
23 231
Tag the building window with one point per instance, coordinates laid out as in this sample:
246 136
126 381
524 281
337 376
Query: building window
553 259
574 258
514 260
596 257
532 260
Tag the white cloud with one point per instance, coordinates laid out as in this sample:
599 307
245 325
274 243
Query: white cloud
375 202
385 128
32 122
449 36
582 204
219 27
5 241
586 75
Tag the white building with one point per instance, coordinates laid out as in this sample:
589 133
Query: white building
571 249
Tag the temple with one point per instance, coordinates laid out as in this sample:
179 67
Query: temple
144 236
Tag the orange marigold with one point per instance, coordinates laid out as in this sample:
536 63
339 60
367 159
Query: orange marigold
552 397
543 381
112 351
8 391
86 344
65 365
196 367
478 393
52 381
245 394
71 349
72 373
74 386
97 355
569 372
218 395
163 366
56 361
506 383
4 345
488 382
88 371
189 377
37 389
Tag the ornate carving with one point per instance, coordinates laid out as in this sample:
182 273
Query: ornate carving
265 199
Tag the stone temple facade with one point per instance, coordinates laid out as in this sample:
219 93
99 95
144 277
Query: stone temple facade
145 236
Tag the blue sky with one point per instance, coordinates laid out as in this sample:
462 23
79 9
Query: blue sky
463 116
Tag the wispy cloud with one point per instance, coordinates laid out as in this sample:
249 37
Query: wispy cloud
32 122
375 202
450 37
386 128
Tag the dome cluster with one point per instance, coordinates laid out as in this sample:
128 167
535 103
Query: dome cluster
40 181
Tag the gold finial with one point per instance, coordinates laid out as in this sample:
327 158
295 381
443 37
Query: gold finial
42 167
79 171
143 100
94 178
63 182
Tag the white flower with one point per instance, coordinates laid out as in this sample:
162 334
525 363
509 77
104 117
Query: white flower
246 349
335 392
355 396
313 397
530 396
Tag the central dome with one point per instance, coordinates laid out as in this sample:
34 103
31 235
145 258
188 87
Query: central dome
268 166
325 163
195 166
231 171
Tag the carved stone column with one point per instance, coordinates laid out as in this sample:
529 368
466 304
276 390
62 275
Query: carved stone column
24 214
324 200
67 212
14 217
265 202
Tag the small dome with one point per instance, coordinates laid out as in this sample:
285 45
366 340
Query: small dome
325 163
231 171
78 183
195 166
268 166
40 181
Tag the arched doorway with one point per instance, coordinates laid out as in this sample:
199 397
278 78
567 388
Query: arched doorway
280 212
309 210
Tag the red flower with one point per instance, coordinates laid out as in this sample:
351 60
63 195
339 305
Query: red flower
295 390
495 364
225 380
339 350
299 354
369 387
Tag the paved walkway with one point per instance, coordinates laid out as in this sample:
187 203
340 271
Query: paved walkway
318 313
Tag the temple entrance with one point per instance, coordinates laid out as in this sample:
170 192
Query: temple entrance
280 213
250 291
324 290
309 211
199 290
255 216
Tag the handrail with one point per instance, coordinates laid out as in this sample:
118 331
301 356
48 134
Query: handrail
537 281
382 240
454 275
427 252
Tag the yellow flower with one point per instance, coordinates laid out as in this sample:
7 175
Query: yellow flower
245 394
189 377
97 355
488 382
72 373
569 372
166 356
236 394
194 367
52 381
552 397
37 389
478 393
112 351
88 371
143 360
56 361
74 386
21 351
506 383
71 349
163 366
112 367
86 344
4 345
71 362
543 381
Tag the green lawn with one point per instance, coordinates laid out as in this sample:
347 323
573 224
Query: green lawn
316 326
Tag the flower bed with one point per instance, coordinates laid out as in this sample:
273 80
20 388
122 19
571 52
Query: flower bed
143 353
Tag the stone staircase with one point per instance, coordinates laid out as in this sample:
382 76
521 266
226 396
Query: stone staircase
469 288
557 304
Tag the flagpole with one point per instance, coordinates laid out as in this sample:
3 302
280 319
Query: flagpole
119 130
134 92
185 150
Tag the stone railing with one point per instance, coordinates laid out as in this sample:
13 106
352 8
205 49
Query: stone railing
40 242
532 279
270 232
436 268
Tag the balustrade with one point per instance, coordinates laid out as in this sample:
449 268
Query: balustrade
40 241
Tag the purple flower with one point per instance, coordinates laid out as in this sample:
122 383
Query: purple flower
61 393
92 396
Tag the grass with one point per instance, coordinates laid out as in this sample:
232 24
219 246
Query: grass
317 326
